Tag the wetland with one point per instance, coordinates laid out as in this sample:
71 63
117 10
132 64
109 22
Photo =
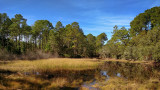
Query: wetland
74 74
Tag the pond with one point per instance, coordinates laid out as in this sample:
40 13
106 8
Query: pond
110 75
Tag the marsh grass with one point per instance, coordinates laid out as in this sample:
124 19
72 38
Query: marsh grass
59 73
116 83
18 79
58 82
35 83
23 82
47 65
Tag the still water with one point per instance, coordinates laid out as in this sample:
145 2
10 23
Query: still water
75 80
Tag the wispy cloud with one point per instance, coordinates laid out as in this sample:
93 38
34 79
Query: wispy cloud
117 20
155 3
106 24
30 19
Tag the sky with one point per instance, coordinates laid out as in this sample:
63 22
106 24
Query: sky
93 16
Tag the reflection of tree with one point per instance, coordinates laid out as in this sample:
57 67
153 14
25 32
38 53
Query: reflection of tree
72 75
130 71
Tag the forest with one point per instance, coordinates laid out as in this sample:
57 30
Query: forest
141 41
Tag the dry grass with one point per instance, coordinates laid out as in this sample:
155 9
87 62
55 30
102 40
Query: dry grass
84 88
58 82
43 65
57 64
50 64
116 83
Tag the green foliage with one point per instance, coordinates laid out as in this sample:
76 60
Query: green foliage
141 47
66 41
145 21
91 48
100 40
75 40
121 35
140 42
40 31
116 45
156 55
5 22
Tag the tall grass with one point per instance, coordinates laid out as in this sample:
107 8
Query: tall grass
116 83
50 65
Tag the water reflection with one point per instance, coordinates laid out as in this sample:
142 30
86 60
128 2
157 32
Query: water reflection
127 71
72 79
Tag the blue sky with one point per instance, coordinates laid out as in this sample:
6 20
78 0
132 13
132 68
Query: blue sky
93 16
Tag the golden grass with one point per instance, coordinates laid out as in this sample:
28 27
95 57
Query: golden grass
117 83
114 83
84 88
58 64
50 64
58 82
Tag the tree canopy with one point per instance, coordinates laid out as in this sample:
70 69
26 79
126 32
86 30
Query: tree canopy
140 42
145 21
64 41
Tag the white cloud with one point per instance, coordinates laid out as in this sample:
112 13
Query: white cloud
106 24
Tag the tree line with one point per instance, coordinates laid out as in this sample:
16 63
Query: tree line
140 42
19 39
